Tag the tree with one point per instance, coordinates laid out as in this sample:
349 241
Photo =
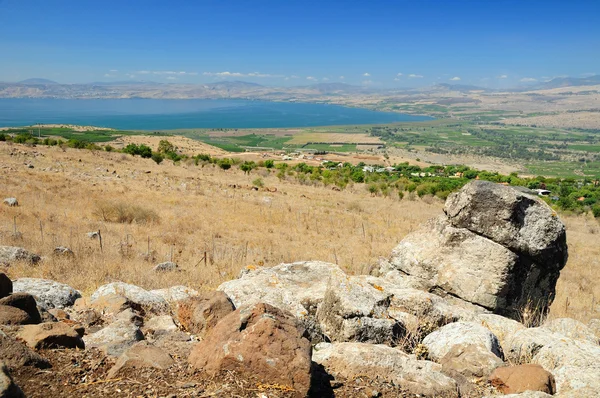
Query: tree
165 146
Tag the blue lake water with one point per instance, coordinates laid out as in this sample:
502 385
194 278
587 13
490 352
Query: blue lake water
150 114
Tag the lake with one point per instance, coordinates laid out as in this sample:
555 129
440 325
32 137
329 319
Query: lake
151 114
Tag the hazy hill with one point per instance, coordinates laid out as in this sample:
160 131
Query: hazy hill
569 82
37 80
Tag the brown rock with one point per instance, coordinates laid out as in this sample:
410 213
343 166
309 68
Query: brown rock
142 355
13 316
8 388
258 341
59 314
112 304
51 335
470 360
520 378
6 287
25 302
199 314
16 354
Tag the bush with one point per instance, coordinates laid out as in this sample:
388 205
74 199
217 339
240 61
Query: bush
596 211
2 137
143 150
247 167
269 164
157 157
258 183
224 163
108 148
125 213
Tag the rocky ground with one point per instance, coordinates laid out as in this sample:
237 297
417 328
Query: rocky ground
457 310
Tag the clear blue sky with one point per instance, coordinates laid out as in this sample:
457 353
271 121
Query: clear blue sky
495 43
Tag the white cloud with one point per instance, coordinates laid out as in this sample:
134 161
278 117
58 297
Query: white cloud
166 72
108 75
528 79
366 74
396 79
314 79
413 76
399 74
503 77
239 74
171 78
455 79
588 74
325 79
342 77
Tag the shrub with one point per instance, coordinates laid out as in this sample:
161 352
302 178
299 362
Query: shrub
247 167
157 157
258 183
108 148
224 163
125 213
596 211
269 164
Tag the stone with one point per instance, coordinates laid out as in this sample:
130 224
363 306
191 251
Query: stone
130 316
161 324
24 302
11 254
461 263
521 378
297 287
59 314
525 344
521 222
141 355
470 360
8 388
149 301
48 294
6 286
260 341
572 329
594 325
573 363
199 314
115 338
16 354
175 293
383 363
527 394
354 310
112 304
503 328
51 335
441 341
13 316
62 251
166 266
11 202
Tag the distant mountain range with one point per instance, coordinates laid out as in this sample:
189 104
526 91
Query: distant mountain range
45 88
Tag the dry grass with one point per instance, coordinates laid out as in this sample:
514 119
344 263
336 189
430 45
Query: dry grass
194 210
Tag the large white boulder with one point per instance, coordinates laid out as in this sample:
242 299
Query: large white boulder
48 294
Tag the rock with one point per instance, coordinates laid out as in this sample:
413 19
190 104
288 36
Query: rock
11 202
141 355
594 325
518 221
59 314
521 378
175 293
380 362
573 363
166 266
149 301
6 286
161 324
115 338
110 305
503 328
572 329
297 287
62 251
11 254
199 314
50 335
259 341
24 302
48 294
130 316
527 394
93 235
353 310
440 342
525 344
470 360
461 263
16 354
8 388
13 316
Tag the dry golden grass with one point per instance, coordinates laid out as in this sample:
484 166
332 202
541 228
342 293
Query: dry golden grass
199 211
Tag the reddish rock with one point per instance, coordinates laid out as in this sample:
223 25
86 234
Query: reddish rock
261 342
112 304
142 355
16 354
13 316
51 335
6 286
24 302
520 378
199 314
8 388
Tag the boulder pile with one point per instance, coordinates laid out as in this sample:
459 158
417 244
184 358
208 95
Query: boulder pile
439 320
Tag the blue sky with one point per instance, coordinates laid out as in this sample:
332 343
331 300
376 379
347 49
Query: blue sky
495 43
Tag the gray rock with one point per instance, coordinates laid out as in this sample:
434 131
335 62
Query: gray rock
354 310
516 220
12 202
11 254
503 328
380 362
161 324
48 294
149 301
572 329
8 388
526 394
297 287
440 342
470 360
115 338
142 355
525 344
63 251
175 293
93 235
166 266
594 325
